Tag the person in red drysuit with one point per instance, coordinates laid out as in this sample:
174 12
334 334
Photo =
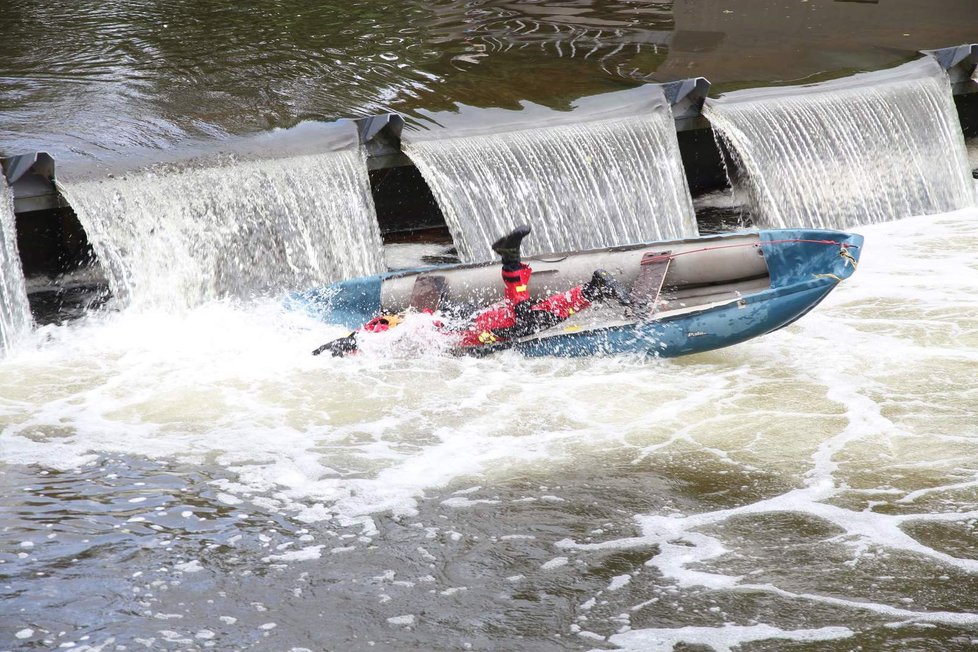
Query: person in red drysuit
515 316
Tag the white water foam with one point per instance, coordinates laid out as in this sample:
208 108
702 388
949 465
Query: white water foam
15 314
719 640
176 237
873 147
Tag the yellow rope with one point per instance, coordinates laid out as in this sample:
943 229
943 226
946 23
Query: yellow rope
832 276
844 252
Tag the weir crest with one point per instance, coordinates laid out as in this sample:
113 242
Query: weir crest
869 148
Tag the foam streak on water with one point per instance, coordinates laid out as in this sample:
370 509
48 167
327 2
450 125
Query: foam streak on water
869 148
585 185
15 314
177 237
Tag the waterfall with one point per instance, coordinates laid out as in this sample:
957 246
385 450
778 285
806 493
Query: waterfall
15 313
178 235
868 148
606 173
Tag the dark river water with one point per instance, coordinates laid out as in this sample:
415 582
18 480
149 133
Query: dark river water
92 76
193 480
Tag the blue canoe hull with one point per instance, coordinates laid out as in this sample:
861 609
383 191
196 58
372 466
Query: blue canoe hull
710 329
804 266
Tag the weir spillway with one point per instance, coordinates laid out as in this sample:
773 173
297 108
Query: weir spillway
611 176
15 316
869 148
177 236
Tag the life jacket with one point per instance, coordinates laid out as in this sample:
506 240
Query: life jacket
382 323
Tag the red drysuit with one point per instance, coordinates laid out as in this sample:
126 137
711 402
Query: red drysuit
513 317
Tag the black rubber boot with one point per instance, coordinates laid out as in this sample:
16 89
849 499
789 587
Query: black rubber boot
603 286
508 246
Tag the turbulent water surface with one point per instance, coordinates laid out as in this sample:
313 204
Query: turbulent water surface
201 481
181 474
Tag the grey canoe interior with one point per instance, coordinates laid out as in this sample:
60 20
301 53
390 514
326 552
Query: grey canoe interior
665 277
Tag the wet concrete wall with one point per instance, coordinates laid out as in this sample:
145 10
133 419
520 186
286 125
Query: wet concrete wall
52 242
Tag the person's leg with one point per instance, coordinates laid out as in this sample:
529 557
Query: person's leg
603 285
516 284
508 247
340 347
517 316
483 326
564 304
489 325
535 317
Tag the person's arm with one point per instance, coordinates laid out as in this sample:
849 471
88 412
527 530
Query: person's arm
340 347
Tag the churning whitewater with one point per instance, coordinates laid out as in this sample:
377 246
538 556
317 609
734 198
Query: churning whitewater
815 484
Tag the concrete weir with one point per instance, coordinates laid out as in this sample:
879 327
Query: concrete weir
121 216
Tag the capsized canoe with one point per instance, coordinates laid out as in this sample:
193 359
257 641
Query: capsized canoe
689 296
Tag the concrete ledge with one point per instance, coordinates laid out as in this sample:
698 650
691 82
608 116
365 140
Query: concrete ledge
960 63
31 178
